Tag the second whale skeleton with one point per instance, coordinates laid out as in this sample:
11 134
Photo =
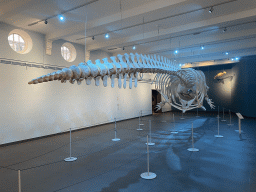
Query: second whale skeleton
184 89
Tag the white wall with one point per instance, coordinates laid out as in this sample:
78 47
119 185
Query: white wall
30 111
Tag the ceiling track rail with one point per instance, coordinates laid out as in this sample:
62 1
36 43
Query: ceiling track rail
152 21
194 33
63 12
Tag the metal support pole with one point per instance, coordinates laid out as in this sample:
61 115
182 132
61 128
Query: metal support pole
19 181
192 137
223 115
147 155
197 112
182 115
70 143
150 143
139 129
115 139
218 129
70 158
192 149
239 123
148 175
230 118
174 132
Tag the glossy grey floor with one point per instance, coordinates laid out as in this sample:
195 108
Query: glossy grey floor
222 164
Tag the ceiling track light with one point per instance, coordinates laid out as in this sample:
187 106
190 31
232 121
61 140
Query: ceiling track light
93 38
224 30
211 10
134 47
61 18
123 48
106 35
45 21
202 47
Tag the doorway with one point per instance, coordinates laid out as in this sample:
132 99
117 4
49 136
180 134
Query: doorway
156 98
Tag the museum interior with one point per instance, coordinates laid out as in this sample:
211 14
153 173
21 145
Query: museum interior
125 95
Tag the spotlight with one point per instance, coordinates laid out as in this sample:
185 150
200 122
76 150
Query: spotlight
45 21
226 53
232 59
176 51
93 38
202 47
211 10
107 35
61 18
237 58
224 30
134 47
123 48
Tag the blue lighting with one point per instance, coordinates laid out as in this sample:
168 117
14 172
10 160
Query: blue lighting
202 47
237 58
134 47
61 18
107 35
226 53
176 51
232 59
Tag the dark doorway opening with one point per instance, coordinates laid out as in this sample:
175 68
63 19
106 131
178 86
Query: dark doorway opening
156 98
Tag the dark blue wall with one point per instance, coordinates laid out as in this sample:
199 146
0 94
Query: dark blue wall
238 94
244 94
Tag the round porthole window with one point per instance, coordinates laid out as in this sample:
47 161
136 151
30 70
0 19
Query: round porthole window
20 41
68 52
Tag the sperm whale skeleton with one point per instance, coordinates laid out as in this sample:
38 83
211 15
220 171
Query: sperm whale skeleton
184 89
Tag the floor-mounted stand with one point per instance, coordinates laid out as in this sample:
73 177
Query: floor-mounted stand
192 149
19 181
174 132
70 158
148 175
197 112
218 112
115 139
218 130
182 115
139 129
223 116
164 117
150 143
230 119
239 122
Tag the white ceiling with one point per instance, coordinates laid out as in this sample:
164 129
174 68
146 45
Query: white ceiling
154 26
